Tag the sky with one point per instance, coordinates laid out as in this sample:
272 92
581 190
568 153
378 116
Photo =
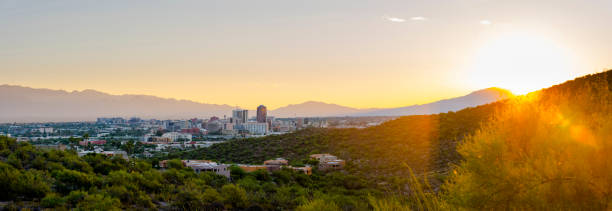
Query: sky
363 54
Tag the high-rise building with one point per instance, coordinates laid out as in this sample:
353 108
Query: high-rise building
240 116
262 113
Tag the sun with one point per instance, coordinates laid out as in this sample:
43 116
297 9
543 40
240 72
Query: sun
522 63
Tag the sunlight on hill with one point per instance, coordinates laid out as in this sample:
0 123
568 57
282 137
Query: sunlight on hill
547 150
522 63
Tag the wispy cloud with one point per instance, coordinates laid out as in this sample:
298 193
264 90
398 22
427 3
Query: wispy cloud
394 19
418 18
485 22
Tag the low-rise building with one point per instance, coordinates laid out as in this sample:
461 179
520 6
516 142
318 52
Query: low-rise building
122 154
45 130
200 166
176 136
328 162
205 165
276 164
96 142
331 165
306 169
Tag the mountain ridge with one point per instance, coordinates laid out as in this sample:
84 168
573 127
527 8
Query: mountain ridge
26 104
475 98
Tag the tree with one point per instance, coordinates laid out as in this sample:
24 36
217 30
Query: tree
210 195
73 142
128 147
234 196
175 164
8 175
189 198
237 173
32 184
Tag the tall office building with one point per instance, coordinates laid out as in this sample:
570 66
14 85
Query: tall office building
262 113
240 116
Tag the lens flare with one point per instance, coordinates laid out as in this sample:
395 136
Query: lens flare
521 63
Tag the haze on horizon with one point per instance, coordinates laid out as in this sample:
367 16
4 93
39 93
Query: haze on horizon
361 54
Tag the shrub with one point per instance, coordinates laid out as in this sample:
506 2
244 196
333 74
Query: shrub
52 200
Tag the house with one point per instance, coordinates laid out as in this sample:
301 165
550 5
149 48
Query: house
205 165
306 169
275 164
331 165
323 157
200 166
328 162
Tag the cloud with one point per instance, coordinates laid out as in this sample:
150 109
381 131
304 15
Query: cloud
395 19
418 18
485 22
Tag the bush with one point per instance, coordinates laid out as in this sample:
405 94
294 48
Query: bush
52 200
99 202
234 196
74 197
318 205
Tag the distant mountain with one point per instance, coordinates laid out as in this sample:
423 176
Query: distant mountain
476 98
320 109
314 109
24 104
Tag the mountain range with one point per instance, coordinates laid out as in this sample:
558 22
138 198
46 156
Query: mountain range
24 104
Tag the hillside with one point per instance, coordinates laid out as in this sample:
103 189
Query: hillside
425 143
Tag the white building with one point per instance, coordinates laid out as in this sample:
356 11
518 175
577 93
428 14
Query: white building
175 136
122 154
255 128
45 130
204 165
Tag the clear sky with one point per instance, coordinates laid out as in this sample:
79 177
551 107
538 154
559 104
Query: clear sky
355 53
